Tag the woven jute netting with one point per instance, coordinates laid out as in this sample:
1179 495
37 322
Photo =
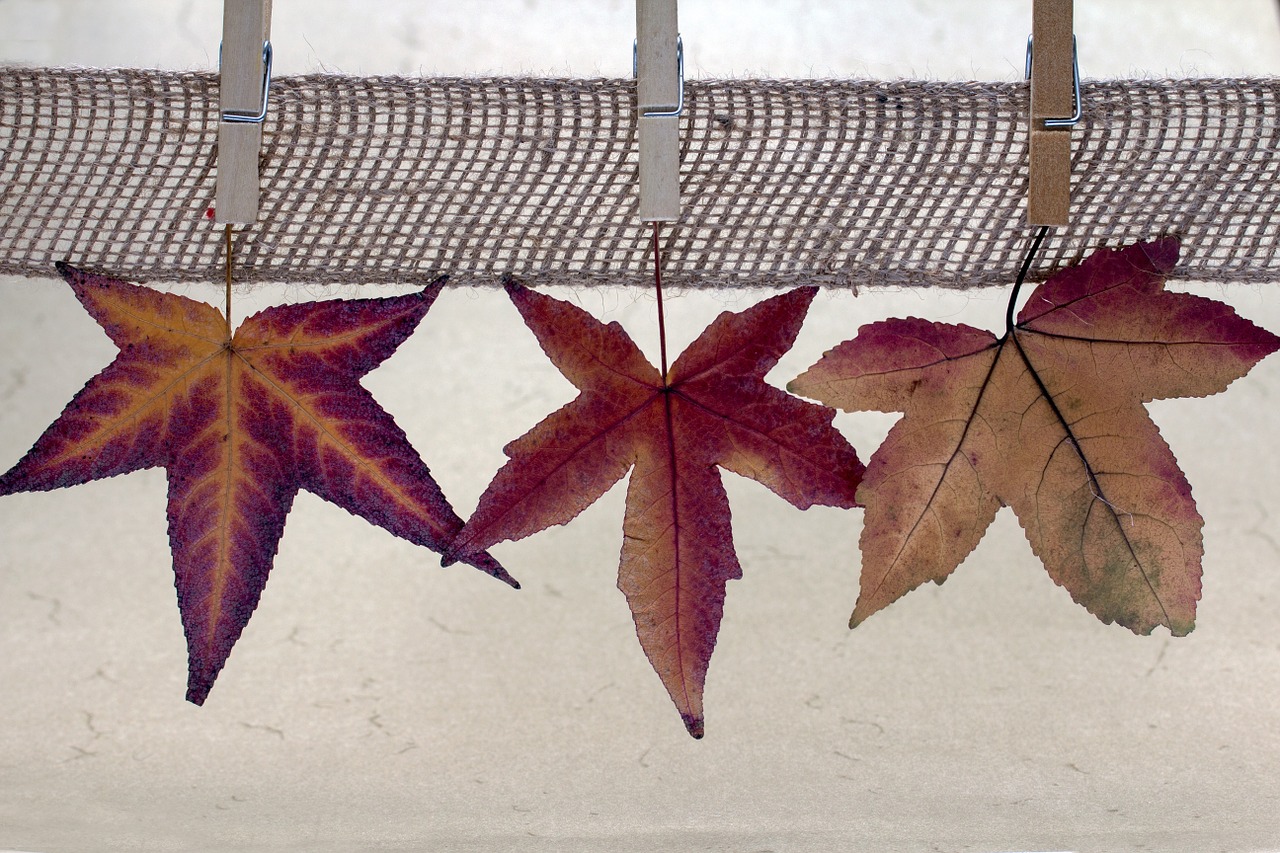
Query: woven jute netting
838 183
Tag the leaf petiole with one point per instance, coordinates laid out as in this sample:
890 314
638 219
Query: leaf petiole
657 285
228 266
1022 275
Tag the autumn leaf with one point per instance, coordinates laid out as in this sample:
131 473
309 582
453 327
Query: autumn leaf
1049 420
240 425
715 409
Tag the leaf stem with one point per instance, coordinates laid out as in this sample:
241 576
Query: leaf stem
657 286
1022 275
228 259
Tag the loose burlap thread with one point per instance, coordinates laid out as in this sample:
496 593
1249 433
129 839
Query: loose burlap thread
829 182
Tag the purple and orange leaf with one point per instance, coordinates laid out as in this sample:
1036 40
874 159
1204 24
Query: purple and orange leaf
1049 420
714 409
240 426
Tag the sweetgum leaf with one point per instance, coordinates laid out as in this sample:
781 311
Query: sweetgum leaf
714 409
1047 419
240 426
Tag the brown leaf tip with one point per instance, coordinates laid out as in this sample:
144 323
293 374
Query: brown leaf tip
74 275
480 560
501 574
69 272
1158 256
198 691
511 284
694 725
1163 253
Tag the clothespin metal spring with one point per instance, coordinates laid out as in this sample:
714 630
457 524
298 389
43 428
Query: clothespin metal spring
244 117
1074 119
635 72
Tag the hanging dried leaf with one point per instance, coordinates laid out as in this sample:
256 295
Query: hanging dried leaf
241 425
1049 420
714 409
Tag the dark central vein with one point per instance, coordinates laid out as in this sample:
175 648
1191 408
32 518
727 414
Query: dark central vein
1094 484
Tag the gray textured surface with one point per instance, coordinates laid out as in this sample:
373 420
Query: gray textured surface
376 702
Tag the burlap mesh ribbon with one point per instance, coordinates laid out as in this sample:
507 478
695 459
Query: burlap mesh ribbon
839 183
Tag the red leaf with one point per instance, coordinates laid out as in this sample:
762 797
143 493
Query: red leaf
1047 419
716 409
240 426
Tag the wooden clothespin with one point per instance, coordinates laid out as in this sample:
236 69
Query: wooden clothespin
244 89
659 69
1055 109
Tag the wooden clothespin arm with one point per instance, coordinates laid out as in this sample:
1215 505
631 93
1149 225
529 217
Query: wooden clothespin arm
659 102
243 97
1055 107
